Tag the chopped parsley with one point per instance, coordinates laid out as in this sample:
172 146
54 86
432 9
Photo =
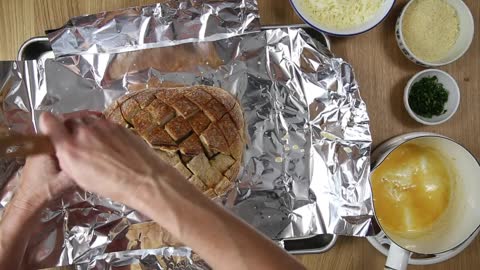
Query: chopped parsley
427 97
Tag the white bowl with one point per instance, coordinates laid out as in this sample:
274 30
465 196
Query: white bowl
464 40
366 26
449 84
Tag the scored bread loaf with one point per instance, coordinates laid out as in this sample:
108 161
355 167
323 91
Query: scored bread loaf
199 130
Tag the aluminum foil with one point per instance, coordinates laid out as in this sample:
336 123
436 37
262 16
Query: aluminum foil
306 164
17 79
164 24
159 259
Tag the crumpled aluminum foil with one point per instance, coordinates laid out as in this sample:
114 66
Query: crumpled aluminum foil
159 259
164 24
306 164
17 78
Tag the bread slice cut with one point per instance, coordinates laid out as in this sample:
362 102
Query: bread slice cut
198 129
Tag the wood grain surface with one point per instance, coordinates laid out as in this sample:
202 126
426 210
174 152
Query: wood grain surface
380 68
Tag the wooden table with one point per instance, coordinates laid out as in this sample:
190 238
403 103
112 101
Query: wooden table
381 70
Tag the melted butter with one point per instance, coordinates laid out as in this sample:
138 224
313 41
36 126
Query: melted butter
411 189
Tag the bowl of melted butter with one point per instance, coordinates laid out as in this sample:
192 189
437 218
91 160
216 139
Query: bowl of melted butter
414 186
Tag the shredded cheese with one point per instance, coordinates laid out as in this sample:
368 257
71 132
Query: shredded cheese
341 14
430 29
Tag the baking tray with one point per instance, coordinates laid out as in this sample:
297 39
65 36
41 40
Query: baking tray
38 48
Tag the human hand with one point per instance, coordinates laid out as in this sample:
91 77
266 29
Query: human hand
41 179
109 160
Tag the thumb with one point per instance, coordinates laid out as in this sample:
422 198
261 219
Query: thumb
53 127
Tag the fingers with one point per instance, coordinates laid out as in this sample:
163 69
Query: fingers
100 128
115 136
60 128
135 139
105 126
52 126
82 114
111 137
76 119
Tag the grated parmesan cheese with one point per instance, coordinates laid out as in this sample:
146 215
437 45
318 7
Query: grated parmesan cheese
430 29
341 14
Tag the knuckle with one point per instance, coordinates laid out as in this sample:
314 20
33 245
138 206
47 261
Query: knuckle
84 131
104 125
85 134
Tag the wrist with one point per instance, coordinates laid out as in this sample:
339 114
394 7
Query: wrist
161 194
174 202
150 197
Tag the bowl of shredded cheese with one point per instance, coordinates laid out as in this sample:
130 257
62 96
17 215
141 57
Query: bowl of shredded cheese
434 33
343 17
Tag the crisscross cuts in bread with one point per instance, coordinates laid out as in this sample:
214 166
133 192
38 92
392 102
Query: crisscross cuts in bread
199 130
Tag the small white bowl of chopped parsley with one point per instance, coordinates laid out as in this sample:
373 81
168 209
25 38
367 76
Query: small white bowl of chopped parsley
431 97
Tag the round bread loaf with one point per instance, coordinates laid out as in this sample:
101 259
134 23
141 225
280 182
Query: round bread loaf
199 130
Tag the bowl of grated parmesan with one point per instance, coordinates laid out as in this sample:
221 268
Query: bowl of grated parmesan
434 33
343 17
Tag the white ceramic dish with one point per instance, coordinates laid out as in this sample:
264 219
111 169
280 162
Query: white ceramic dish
381 241
368 25
453 97
458 224
464 40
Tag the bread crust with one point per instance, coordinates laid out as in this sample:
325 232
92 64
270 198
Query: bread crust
198 129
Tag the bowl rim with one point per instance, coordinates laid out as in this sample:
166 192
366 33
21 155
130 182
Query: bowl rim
405 45
297 11
456 91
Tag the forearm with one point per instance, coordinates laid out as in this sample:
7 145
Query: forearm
227 242
221 239
16 227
